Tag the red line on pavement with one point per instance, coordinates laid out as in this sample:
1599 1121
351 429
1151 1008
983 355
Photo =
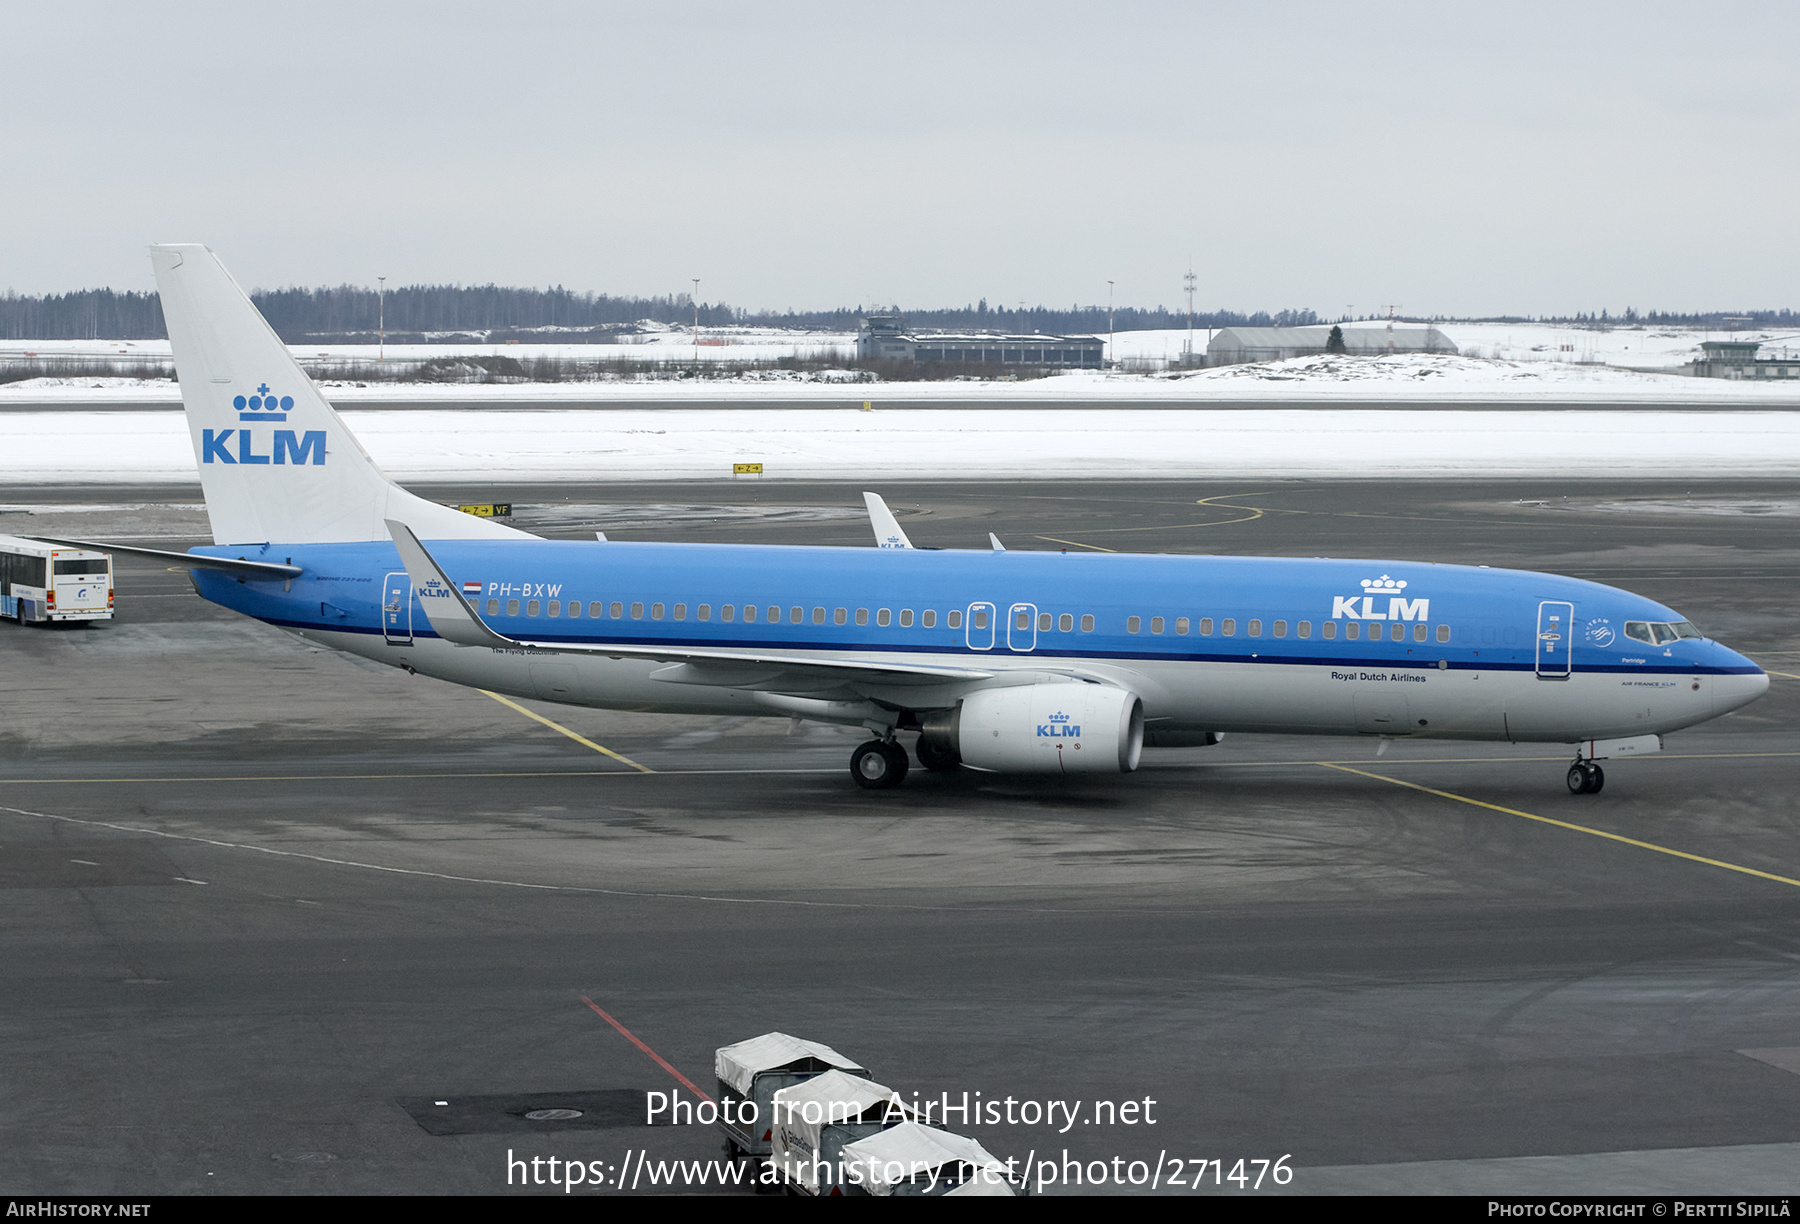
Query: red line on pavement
658 1059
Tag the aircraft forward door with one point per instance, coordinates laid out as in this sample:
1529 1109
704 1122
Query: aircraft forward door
978 630
1021 628
396 609
1555 640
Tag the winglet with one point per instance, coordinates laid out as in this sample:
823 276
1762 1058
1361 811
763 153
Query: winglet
452 617
887 530
995 541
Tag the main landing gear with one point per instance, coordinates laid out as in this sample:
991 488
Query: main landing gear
1586 778
878 765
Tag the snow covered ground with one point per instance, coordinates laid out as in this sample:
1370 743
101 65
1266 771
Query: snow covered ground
905 443
1405 378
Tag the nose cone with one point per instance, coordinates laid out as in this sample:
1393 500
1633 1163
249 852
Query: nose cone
1738 682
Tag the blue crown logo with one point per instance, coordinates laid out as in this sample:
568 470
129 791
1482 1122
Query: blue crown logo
1059 718
262 406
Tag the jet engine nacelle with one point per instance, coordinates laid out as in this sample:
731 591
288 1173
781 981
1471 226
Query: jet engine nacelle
1049 728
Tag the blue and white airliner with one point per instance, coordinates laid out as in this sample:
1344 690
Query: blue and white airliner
1025 662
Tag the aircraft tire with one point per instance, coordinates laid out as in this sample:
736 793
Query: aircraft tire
1578 779
878 766
1597 779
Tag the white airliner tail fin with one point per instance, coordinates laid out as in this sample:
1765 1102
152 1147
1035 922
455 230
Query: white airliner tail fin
887 528
276 461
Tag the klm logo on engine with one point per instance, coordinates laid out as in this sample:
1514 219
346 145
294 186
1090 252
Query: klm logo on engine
1398 606
1059 727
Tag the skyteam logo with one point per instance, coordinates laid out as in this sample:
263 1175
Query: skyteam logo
1059 727
263 406
1398 606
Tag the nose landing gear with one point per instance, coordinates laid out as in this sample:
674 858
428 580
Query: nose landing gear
878 765
1586 778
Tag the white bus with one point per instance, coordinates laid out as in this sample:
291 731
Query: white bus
53 582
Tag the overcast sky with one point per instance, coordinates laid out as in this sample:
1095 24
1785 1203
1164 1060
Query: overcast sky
1451 159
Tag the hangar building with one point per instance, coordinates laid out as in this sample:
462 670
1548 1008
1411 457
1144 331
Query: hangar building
886 338
1234 345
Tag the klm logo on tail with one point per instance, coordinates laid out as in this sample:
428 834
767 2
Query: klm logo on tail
284 446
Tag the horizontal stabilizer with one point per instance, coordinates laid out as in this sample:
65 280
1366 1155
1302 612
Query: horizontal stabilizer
237 565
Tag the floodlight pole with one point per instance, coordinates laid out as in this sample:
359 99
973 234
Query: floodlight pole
1190 292
381 318
1111 335
696 327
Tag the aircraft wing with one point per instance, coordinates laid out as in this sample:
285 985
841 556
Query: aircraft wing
454 619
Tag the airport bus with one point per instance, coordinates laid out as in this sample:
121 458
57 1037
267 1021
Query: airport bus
53 582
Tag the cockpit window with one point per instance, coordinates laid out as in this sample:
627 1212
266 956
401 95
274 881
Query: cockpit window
1653 634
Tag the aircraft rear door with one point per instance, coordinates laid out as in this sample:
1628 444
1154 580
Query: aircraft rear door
396 609
1555 639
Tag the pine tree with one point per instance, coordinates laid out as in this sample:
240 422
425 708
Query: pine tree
1334 343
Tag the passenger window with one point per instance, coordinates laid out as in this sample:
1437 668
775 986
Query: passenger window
775 615
1132 624
531 608
1280 628
595 609
637 611
839 617
1303 629
928 618
862 616
1443 633
1254 629
1206 626
1228 627
703 612
1044 622
680 611
1065 623
1352 631
818 616
1418 633
906 618
953 618
556 607
795 615
493 607
1181 626
884 618
981 618
1087 624
574 608
656 611
1328 630
749 613
1396 632
512 607
618 611
1022 621
727 612
1156 624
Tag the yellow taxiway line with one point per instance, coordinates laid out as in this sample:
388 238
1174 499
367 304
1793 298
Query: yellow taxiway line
1564 824
579 739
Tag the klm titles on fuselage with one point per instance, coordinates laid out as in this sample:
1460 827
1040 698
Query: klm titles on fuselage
1362 607
285 444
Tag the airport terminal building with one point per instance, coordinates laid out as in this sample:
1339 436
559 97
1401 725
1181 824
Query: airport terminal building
1236 345
886 338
